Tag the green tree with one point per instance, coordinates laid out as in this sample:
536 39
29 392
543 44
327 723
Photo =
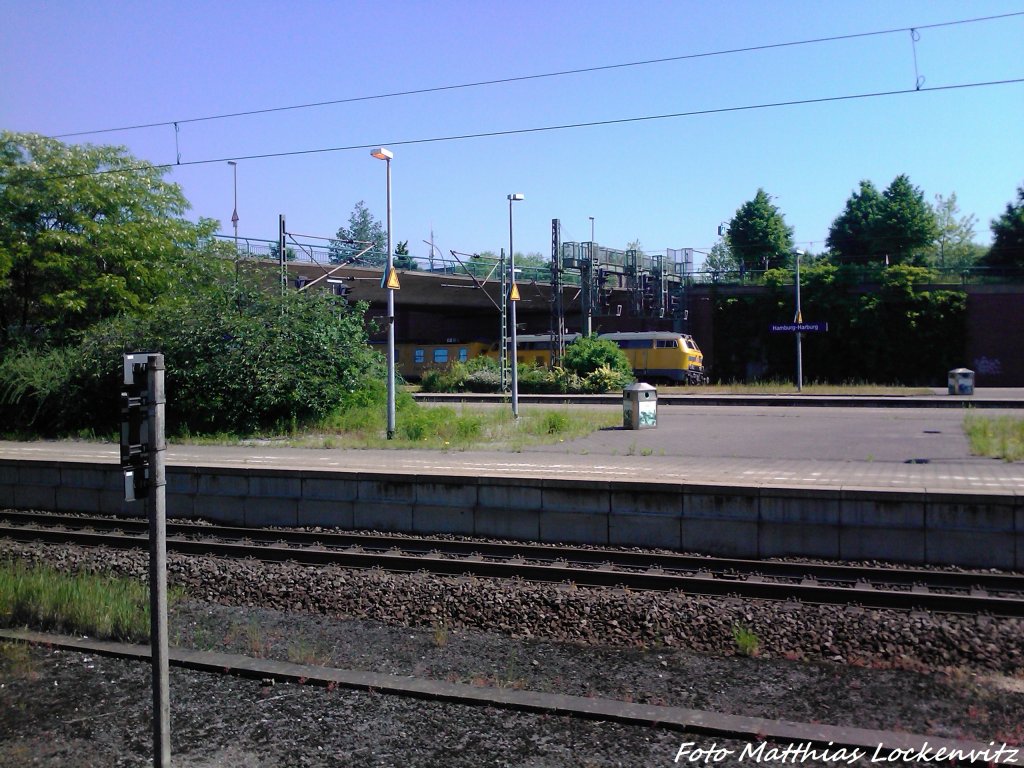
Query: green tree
86 233
720 259
362 230
907 223
896 226
759 236
954 246
402 259
1008 232
852 236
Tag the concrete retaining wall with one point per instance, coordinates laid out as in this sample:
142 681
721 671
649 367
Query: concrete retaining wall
965 529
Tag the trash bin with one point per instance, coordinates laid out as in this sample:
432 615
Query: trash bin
961 381
639 407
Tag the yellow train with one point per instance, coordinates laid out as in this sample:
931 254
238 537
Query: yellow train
662 356
654 356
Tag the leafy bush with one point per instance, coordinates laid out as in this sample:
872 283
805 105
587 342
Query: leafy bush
604 379
590 353
236 360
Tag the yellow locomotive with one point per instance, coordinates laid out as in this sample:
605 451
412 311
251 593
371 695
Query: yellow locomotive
662 356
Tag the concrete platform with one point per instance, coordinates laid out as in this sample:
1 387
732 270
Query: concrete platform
738 480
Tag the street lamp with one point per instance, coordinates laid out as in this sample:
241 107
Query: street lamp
799 336
234 213
386 154
512 310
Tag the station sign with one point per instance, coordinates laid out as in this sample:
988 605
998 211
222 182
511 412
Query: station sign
799 327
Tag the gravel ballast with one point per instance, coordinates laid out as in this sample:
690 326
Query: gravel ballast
953 677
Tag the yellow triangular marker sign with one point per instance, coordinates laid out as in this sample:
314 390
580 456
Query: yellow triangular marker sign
514 295
392 281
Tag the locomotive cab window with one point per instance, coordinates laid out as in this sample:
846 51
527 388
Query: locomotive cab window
418 356
666 343
440 355
463 354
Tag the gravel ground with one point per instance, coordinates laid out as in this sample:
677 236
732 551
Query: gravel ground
941 676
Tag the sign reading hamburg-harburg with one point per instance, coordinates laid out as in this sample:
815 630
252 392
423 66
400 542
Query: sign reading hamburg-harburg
799 327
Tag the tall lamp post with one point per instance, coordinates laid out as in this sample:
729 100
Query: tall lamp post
512 310
234 213
591 228
386 154
799 336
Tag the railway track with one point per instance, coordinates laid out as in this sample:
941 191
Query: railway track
942 591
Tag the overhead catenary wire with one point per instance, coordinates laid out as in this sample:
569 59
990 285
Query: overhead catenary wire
914 30
536 129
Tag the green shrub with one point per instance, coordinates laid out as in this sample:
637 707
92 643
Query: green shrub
237 361
484 380
590 353
604 379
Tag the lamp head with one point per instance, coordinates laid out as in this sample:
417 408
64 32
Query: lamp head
382 153
517 196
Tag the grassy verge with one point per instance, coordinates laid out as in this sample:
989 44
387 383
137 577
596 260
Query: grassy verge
1000 437
99 606
439 427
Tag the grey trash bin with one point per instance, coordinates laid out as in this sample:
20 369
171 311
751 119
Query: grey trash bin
639 406
961 381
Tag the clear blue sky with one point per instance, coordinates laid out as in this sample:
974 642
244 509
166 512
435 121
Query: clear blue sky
76 66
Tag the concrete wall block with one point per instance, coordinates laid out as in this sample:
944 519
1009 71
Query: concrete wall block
504 496
46 474
973 531
118 506
39 497
576 497
1019 526
222 482
647 499
182 481
429 519
221 509
799 522
645 530
278 485
504 523
986 513
6 495
327 513
382 516
573 528
882 525
260 512
87 500
720 502
725 538
330 487
398 489
84 477
8 473
459 493
180 505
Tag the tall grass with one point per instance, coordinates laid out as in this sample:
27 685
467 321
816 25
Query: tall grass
1000 437
100 606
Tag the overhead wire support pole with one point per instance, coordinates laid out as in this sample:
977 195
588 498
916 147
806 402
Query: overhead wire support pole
381 153
513 298
157 508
